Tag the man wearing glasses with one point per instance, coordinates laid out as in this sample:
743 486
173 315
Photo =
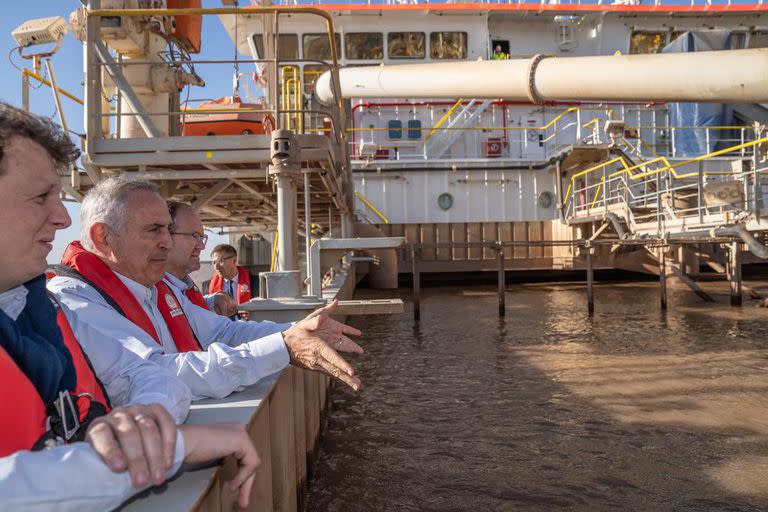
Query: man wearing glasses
189 240
228 278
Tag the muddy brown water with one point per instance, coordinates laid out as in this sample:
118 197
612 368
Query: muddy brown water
549 409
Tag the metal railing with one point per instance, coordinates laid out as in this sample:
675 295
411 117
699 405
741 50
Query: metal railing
660 191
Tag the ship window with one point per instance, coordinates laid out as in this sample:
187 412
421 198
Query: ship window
311 74
647 42
448 45
414 129
288 46
316 46
364 46
758 40
395 129
405 45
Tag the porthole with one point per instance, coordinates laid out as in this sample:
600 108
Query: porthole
546 199
445 201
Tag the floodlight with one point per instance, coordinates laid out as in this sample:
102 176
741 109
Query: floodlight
41 31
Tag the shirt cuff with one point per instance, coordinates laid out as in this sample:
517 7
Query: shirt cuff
178 411
271 350
178 456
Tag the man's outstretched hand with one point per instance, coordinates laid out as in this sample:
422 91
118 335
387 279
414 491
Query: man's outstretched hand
315 341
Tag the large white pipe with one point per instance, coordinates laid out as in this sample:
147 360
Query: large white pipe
733 76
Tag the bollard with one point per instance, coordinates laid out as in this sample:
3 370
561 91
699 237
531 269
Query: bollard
415 256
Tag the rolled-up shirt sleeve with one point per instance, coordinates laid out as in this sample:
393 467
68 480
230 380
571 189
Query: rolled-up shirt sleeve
215 372
70 478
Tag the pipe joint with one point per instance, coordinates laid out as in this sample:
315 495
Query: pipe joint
533 94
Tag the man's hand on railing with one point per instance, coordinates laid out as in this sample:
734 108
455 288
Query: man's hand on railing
139 438
314 341
203 443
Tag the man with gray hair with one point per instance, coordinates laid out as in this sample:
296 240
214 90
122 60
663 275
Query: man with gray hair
114 288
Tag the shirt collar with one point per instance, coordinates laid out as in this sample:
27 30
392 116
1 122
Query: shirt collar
13 301
182 284
141 292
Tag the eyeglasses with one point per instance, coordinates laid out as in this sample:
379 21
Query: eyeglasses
197 236
222 260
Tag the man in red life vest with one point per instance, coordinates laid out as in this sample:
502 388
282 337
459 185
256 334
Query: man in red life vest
52 393
114 289
189 240
229 278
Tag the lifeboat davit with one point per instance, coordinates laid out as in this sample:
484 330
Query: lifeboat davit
226 116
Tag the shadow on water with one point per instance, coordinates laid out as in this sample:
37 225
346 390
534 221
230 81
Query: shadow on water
548 409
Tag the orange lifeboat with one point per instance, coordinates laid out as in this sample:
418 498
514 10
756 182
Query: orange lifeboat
226 116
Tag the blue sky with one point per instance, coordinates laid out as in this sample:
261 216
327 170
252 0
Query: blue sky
68 65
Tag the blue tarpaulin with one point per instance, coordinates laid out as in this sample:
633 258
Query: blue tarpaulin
691 143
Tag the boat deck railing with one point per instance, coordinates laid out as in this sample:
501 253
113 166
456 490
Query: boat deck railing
663 195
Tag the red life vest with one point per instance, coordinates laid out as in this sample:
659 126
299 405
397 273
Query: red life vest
23 410
25 415
183 336
196 298
243 284
99 274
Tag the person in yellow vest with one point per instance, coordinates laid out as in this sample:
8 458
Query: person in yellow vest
498 53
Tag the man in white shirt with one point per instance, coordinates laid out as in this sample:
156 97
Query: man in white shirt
125 231
126 449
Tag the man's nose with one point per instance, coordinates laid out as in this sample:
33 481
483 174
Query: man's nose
59 215
165 241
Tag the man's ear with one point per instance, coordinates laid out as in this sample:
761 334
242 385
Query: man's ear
100 237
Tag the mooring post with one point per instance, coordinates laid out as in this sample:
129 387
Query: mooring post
502 278
590 280
415 256
734 272
663 278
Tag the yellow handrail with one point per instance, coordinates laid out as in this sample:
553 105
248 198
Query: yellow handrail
274 252
43 81
666 167
370 205
597 192
444 119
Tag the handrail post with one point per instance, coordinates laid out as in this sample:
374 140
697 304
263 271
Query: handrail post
501 277
756 189
662 278
25 92
590 279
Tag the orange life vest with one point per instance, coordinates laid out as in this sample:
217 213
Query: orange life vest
100 276
243 285
25 417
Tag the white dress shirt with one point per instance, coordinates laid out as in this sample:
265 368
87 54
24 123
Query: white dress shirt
237 353
70 477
